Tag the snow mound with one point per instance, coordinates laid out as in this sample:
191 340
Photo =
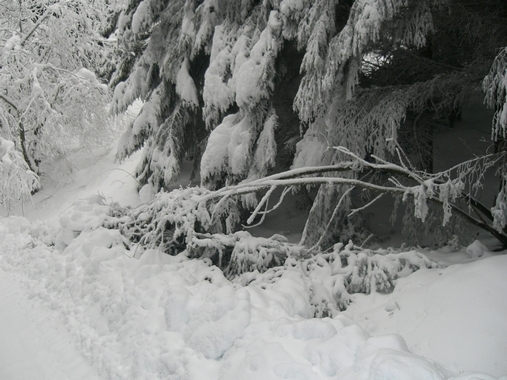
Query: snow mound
477 249
453 315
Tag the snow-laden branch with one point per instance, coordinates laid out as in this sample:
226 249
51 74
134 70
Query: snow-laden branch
495 88
52 9
17 182
445 188
169 225
305 176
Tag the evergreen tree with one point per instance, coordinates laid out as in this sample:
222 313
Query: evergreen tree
219 78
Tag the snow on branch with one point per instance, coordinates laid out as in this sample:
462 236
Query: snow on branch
363 28
180 222
235 148
10 102
218 93
254 79
17 180
445 188
370 121
314 34
499 210
350 269
52 9
495 87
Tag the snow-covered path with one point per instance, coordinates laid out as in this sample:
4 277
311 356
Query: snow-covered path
33 345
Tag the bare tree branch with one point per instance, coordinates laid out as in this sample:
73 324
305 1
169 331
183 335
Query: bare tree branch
9 102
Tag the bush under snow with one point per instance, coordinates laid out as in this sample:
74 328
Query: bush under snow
182 221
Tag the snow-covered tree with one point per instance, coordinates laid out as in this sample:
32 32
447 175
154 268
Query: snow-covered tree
237 86
495 86
53 57
17 180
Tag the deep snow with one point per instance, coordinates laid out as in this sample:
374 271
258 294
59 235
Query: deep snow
33 343
84 308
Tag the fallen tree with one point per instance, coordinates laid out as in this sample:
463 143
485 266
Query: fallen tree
447 188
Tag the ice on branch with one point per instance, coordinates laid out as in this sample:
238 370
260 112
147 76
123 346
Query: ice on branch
421 195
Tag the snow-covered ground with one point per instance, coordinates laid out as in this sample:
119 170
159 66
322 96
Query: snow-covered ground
75 304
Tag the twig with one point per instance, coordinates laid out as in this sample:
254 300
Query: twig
333 215
263 217
266 211
356 210
371 236
263 201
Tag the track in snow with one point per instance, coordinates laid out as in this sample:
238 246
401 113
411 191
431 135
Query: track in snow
32 344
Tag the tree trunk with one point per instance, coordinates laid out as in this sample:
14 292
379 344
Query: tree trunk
22 143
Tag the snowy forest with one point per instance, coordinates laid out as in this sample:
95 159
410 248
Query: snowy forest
254 189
